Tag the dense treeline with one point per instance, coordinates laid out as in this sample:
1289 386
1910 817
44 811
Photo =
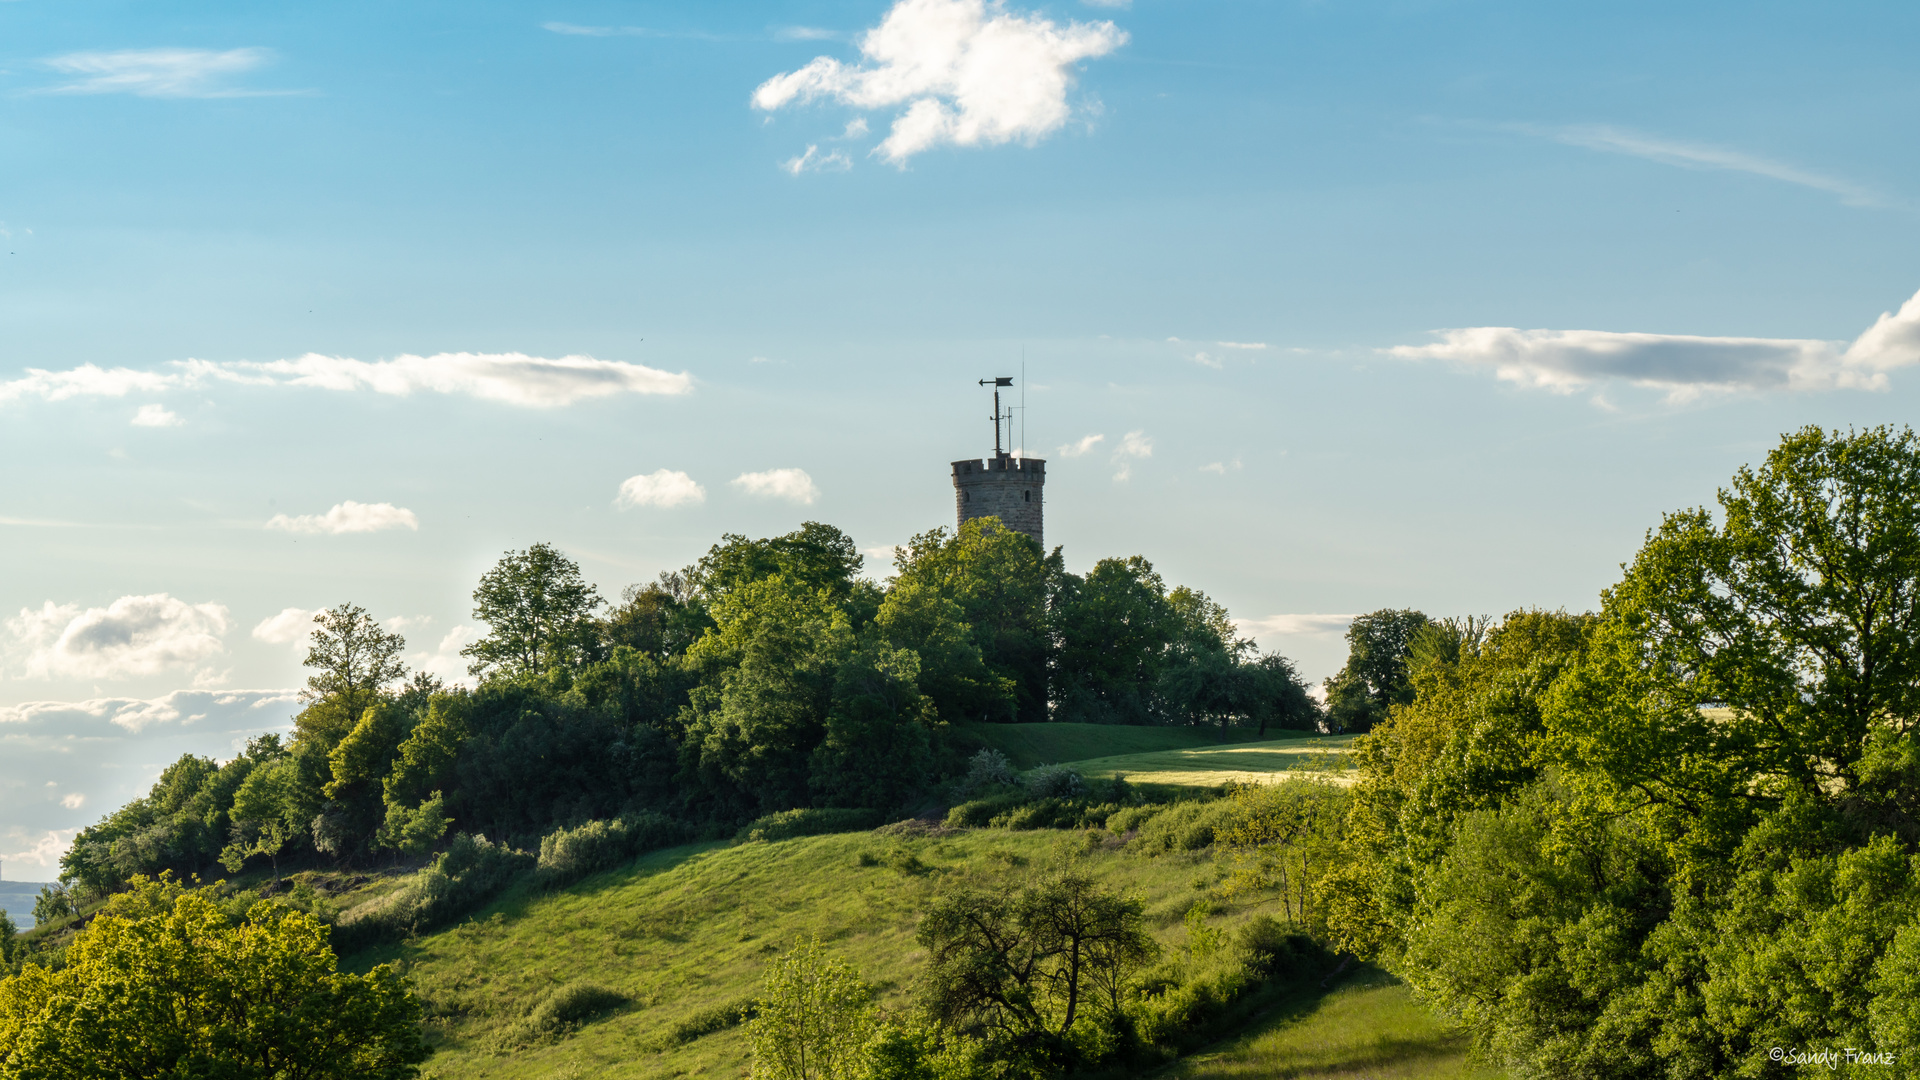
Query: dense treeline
768 676
1679 838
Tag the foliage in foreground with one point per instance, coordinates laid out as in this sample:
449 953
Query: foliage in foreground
164 984
1663 841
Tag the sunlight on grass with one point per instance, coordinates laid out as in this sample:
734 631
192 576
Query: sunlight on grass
1370 1029
1246 763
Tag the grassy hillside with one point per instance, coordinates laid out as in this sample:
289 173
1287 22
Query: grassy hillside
1027 745
668 948
1214 764
1368 1028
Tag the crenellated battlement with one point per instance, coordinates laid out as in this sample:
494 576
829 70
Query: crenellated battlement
1003 486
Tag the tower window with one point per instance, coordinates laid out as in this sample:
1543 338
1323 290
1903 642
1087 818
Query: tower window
1027 495
966 496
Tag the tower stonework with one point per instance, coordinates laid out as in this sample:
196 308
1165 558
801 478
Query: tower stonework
1005 487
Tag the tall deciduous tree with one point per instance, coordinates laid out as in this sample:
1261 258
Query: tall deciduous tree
1374 679
353 658
539 612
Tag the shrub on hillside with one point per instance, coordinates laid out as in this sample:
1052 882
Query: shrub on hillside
567 855
1185 826
1055 782
788 824
988 769
564 1009
468 873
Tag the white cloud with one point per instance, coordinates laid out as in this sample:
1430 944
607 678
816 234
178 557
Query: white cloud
444 662
349 517
291 625
814 161
179 73
156 416
1220 468
1241 344
1134 444
1682 365
511 378
663 488
44 852
1293 624
73 800
573 30
134 635
84 381
1076 449
1205 360
856 128
793 485
406 624
969 72
1700 156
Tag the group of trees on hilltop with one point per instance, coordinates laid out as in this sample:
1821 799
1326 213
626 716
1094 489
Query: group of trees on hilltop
769 675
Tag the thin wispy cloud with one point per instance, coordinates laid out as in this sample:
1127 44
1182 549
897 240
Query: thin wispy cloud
509 378
1294 624
575 30
815 161
1086 443
167 73
1689 155
348 517
291 625
806 33
963 72
1134 445
1684 366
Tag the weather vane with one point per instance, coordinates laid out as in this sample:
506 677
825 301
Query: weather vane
998 382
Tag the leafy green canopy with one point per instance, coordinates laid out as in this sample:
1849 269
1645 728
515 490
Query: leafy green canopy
162 985
1661 842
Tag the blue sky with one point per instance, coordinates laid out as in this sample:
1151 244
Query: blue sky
1375 304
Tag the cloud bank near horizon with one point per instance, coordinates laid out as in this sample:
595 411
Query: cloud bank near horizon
1684 366
515 379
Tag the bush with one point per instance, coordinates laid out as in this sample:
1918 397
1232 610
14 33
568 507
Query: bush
564 1009
1276 953
989 768
469 872
1055 782
1186 826
978 812
1130 818
788 824
567 855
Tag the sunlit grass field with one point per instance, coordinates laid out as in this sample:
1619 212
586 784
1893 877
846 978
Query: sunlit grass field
1027 745
1215 764
1368 1028
685 933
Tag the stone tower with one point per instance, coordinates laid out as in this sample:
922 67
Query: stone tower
1002 486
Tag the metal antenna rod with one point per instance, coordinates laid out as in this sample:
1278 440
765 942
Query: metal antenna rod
998 382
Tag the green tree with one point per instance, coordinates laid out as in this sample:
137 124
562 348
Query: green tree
999 583
660 619
1375 676
539 614
353 658
1113 629
162 985
817 556
876 750
813 1020
1021 970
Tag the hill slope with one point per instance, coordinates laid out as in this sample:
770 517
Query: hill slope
1027 745
677 941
